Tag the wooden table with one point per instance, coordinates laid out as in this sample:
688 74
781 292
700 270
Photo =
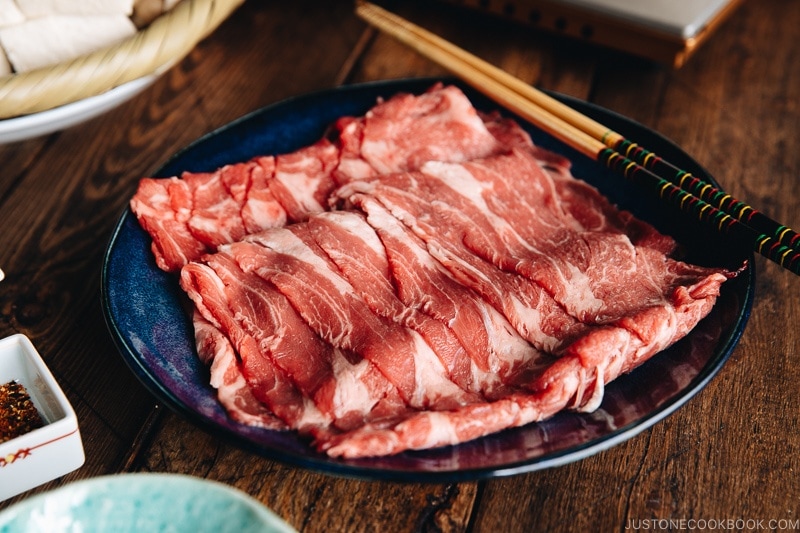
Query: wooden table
732 452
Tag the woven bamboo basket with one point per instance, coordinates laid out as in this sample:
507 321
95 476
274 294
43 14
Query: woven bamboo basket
152 50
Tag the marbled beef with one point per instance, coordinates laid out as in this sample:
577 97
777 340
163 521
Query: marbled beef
422 277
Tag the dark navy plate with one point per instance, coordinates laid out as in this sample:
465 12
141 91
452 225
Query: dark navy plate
147 315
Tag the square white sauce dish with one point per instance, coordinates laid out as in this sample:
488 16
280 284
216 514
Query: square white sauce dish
34 450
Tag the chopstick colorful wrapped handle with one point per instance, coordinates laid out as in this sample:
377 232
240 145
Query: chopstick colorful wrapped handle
708 193
765 245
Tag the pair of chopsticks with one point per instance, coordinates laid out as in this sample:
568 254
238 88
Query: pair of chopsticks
677 187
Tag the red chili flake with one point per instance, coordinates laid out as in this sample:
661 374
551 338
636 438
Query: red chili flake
18 415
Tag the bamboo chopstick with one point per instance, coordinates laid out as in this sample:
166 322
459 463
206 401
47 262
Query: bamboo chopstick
597 141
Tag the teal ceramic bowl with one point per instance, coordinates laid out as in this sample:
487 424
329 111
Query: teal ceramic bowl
142 502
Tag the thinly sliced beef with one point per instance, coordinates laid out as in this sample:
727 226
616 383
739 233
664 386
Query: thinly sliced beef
354 248
574 381
477 346
338 314
535 314
268 383
407 247
460 211
510 135
193 214
346 391
449 203
406 131
464 283
302 181
215 350
496 350
163 207
526 305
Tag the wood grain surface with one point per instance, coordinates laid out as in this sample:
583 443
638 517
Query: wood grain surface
732 452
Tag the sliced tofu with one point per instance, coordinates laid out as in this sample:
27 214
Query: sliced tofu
10 13
45 41
44 8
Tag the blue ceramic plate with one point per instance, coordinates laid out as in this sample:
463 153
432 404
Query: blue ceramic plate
145 310
133 503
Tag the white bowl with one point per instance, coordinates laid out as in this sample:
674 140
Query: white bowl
50 451
59 118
